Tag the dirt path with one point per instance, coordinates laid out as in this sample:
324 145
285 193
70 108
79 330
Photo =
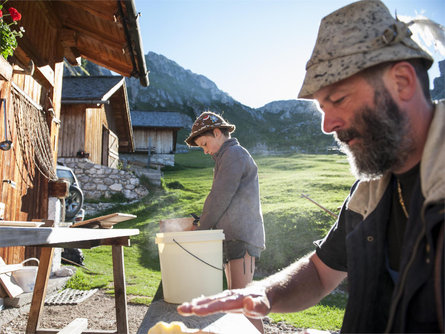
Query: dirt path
100 311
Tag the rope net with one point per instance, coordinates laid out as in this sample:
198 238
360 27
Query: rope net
33 137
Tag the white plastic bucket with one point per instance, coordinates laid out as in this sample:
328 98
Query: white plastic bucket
191 264
26 277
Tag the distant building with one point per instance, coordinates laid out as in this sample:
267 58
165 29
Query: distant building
95 119
155 135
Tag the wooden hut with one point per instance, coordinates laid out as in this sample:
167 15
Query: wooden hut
156 131
105 32
95 119
155 136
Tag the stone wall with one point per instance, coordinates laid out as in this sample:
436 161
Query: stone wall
155 159
97 180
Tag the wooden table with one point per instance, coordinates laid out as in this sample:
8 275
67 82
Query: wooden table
220 323
48 238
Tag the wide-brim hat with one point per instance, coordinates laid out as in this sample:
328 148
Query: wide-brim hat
353 38
205 122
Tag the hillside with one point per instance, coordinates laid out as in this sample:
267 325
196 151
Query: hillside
279 126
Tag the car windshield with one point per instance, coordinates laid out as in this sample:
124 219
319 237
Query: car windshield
65 174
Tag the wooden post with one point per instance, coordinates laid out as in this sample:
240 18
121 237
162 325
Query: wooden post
120 289
38 297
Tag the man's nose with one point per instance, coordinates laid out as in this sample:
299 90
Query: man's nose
331 121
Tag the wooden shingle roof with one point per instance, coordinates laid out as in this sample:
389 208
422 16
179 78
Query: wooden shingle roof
159 119
93 88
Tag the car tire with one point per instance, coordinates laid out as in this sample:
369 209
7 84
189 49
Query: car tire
74 202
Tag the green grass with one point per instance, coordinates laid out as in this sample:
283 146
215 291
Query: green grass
291 222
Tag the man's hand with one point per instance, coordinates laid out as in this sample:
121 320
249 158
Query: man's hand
251 301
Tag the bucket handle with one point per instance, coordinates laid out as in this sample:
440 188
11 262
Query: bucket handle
211 265
31 259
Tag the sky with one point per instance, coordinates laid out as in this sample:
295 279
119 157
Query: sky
255 50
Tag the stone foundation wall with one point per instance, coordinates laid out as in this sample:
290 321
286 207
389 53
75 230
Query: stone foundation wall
97 180
155 159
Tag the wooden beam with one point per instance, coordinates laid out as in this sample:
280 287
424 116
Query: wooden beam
108 14
122 68
72 55
47 73
86 31
49 13
59 188
68 37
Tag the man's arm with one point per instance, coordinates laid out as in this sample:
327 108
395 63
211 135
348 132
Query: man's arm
299 286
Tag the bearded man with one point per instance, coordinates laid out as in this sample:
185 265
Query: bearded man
371 83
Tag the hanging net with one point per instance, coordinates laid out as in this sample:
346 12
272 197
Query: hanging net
33 136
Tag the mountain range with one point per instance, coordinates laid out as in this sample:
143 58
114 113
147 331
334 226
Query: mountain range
279 126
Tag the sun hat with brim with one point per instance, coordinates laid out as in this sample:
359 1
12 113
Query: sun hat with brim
353 38
205 122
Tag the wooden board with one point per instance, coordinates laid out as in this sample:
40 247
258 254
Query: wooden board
7 268
19 223
106 221
77 326
8 283
63 238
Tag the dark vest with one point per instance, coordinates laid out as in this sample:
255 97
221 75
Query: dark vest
412 306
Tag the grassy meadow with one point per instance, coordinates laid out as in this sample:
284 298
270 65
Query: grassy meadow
291 222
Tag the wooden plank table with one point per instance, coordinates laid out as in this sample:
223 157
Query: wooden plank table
220 323
48 238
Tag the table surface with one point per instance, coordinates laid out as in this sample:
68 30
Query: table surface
220 323
50 237
57 236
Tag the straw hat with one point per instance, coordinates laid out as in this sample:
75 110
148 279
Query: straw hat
205 122
355 37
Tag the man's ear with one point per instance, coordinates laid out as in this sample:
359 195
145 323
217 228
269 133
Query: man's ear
403 80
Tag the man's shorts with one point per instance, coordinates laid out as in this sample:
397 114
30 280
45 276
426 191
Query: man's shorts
236 249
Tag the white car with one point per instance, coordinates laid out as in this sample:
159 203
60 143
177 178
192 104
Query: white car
74 202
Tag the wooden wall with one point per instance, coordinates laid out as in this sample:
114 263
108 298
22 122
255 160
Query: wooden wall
161 139
72 130
95 120
81 130
28 200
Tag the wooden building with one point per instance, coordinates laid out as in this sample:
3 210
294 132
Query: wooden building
105 32
156 131
95 119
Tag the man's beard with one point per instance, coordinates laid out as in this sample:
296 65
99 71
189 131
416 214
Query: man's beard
383 138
